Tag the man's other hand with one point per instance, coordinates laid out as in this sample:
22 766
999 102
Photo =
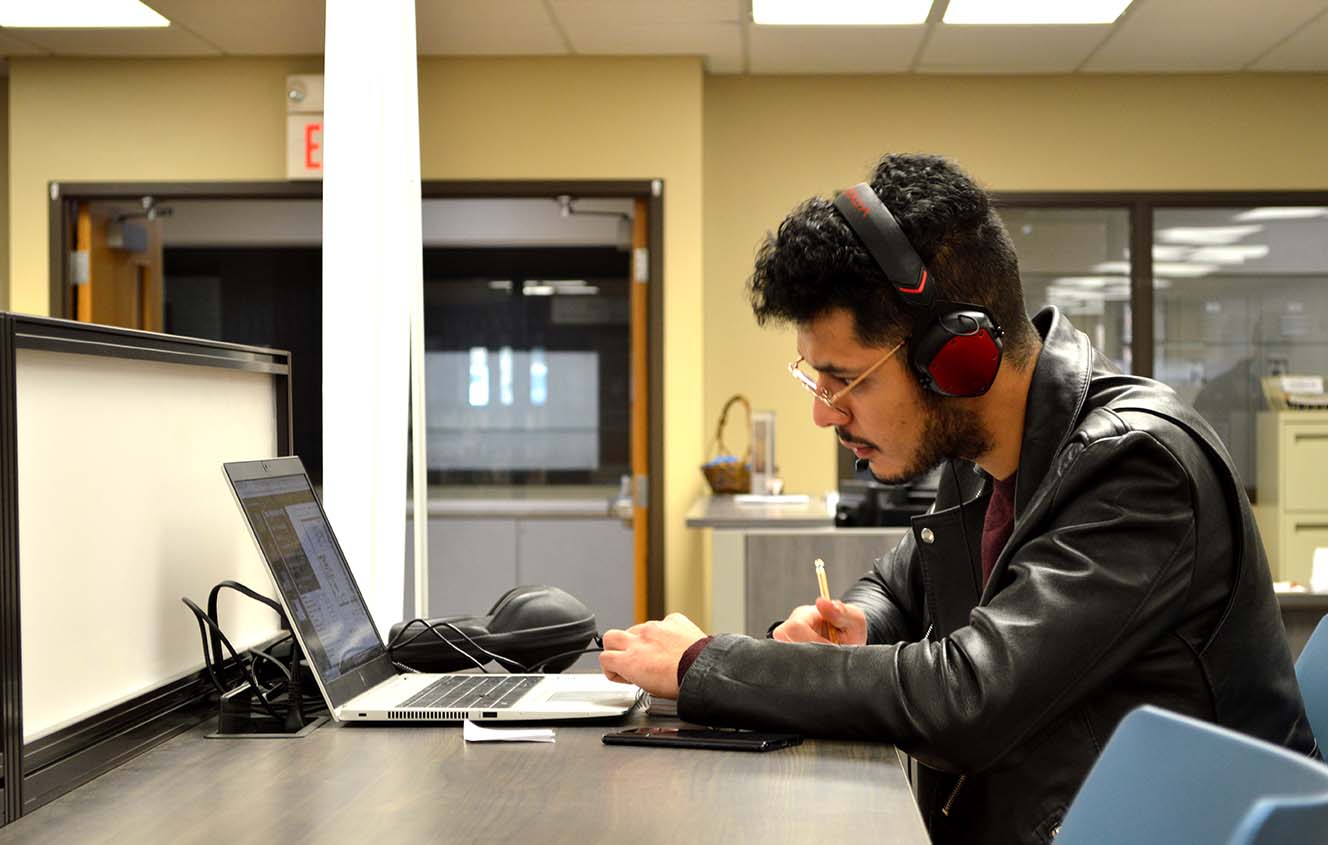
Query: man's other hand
807 624
647 654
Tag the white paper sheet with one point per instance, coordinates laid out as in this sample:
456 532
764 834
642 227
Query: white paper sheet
472 732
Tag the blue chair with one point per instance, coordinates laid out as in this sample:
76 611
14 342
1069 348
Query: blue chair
1282 821
1167 778
1312 672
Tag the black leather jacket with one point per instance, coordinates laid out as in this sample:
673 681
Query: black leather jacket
1134 574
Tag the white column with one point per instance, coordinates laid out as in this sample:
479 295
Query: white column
372 281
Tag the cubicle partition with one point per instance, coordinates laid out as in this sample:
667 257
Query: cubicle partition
113 505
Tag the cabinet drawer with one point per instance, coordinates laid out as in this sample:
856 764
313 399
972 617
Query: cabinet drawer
1305 462
1300 538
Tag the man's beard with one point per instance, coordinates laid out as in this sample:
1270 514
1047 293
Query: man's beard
948 432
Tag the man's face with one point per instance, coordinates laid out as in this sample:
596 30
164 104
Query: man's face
888 419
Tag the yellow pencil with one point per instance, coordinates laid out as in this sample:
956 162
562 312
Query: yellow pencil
831 632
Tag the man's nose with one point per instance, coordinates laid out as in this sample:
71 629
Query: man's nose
826 417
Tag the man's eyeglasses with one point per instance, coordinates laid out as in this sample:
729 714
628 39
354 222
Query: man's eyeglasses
795 370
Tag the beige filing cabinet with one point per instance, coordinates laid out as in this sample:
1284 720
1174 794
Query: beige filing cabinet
1292 478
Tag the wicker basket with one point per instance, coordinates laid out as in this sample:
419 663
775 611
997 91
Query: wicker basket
724 472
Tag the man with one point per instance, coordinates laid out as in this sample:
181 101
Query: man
1090 549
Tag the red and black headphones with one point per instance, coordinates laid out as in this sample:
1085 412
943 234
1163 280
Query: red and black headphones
955 349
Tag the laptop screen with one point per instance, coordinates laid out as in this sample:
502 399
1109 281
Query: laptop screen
307 564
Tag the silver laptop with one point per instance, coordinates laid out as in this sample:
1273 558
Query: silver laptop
333 626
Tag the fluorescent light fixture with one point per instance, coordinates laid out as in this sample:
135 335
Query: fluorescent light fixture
839 12
1163 252
1206 235
1182 270
567 287
1032 12
1290 212
78 14
1121 268
1232 254
1086 282
500 284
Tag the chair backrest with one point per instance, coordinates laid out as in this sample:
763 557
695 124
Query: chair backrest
1167 778
1283 821
1312 672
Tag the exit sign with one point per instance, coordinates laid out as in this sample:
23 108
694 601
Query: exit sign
304 126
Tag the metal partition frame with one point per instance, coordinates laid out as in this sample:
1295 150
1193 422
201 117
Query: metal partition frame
48 767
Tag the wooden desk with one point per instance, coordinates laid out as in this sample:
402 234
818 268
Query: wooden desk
394 784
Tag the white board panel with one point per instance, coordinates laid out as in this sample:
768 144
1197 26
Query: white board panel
124 509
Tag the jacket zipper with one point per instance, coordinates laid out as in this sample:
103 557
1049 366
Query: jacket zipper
949 802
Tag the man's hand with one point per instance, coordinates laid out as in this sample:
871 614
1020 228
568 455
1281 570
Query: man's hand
647 654
807 624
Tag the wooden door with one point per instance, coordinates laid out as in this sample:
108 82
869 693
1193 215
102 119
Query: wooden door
118 268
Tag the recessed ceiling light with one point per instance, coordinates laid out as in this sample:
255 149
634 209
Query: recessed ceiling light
78 14
1034 11
839 12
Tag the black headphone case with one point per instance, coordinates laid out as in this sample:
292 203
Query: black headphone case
527 624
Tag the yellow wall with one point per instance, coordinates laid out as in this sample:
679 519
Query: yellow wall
771 142
213 119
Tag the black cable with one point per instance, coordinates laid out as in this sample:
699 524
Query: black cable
393 644
430 626
548 660
246 666
461 633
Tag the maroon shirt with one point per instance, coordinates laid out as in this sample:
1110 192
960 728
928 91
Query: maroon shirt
997 525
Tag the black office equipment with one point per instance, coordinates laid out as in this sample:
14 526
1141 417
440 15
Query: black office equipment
532 625
261 692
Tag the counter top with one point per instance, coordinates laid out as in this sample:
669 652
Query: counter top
724 512
571 502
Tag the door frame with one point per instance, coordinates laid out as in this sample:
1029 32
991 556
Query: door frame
65 195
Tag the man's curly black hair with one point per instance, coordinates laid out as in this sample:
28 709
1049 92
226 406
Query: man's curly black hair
815 262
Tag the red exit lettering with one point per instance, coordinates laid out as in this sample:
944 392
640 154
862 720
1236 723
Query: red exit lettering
313 144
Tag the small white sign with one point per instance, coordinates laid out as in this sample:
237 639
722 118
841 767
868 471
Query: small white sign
1302 384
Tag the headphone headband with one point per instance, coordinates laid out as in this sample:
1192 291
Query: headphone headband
880 233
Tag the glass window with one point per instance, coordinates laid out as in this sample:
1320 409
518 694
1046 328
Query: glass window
1078 260
527 364
1238 294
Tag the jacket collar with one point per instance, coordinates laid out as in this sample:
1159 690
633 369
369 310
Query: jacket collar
1055 398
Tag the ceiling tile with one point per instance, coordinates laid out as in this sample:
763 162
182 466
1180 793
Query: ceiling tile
1307 49
647 11
1009 49
1198 35
719 43
14 45
822 49
251 27
486 28
165 41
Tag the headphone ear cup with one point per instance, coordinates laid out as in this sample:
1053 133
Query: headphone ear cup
958 353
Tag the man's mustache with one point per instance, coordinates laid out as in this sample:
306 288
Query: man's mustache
853 441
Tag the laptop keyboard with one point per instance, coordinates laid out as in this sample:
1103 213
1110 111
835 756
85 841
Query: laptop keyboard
466 691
